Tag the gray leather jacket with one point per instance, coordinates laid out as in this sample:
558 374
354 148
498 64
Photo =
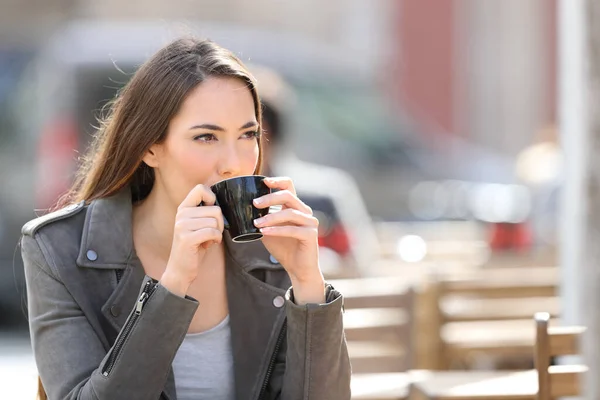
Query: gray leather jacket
102 329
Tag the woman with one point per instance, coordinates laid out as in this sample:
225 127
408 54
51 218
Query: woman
135 292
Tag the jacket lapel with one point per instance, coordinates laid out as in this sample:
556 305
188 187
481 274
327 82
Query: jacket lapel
255 326
107 244
256 318
121 301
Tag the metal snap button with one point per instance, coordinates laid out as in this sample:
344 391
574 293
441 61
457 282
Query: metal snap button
91 255
273 259
115 311
278 301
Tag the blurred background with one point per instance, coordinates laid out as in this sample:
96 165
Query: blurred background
423 133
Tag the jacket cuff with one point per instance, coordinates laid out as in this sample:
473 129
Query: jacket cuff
331 295
316 347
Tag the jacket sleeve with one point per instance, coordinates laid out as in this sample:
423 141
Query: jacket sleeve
317 362
71 359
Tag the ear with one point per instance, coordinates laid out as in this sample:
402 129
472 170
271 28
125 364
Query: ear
151 157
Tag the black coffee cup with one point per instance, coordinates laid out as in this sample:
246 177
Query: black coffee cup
234 197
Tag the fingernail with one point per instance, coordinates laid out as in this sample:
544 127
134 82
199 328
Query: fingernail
258 200
259 221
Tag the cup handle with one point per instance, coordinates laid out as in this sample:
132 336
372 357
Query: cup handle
225 222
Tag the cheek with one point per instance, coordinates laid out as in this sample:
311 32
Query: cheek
196 165
188 166
250 160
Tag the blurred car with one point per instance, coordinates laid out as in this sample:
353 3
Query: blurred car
15 187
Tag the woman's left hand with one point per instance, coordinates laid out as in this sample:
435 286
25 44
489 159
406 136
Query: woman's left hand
291 236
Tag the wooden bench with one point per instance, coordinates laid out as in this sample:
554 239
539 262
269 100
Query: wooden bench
505 282
373 292
542 383
381 324
482 315
460 309
376 357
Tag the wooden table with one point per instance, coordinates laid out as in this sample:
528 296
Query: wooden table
446 385
473 385
384 386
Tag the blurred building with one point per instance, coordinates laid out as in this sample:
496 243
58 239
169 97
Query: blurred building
484 70
356 25
481 69
427 91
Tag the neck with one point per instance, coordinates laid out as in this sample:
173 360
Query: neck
153 223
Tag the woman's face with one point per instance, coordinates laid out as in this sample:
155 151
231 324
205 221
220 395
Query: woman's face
214 136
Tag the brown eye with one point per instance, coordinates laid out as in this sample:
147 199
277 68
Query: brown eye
206 137
251 135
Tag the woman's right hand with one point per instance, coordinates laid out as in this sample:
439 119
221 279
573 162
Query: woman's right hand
196 229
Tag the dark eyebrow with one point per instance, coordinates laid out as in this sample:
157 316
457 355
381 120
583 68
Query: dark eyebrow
249 124
212 127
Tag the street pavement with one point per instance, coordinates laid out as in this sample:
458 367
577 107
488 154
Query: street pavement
18 374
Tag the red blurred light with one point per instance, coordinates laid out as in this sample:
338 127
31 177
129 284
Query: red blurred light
336 240
56 147
508 236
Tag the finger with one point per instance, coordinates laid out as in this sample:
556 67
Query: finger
281 183
301 233
288 216
205 235
199 194
283 198
202 212
195 224
208 244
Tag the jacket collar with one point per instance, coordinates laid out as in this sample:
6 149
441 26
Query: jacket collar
107 239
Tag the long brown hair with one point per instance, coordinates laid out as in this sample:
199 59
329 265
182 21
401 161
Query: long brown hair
139 115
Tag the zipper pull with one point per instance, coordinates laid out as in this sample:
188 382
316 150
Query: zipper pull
142 300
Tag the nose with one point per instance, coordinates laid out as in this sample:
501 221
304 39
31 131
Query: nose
229 162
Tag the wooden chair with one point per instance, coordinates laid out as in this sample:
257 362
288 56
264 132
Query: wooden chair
378 323
485 312
41 395
543 383
557 380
